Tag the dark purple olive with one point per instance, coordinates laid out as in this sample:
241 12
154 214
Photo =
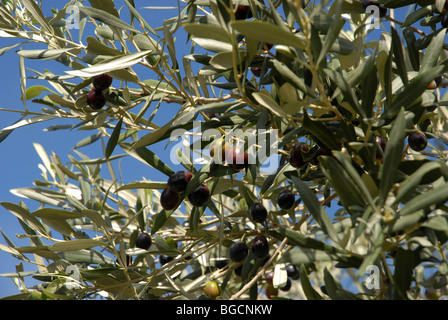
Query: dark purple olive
178 181
164 259
260 247
102 82
296 156
238 251
96 99
258 212
256 71
287 286
286 199
143 241
200 196
445 19
293 271
243 12
417 141
169 199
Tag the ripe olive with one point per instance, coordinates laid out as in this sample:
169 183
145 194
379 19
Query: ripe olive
169 199
178 181
382 144
164 259
243 12
260 247
237 158
296 156
286 199
258 212
143 241
102 81
96 99
417 141
200 196
238 251
293 271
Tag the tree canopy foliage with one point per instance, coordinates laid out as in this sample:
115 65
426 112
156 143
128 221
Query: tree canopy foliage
350 118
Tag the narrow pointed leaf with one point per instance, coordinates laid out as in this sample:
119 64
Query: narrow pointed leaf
143 185
211 31
139 16
154 136
160 219
414 90
319 130
36 13
338 79
404 268
288 75
333 32
74 245
369 89
435 196
392 156
268 33
399 57
267 102
310 292
410 184
345 161
344 185
147 156
53 213
107 18
25 216
112 64
113 140
433 51
315 208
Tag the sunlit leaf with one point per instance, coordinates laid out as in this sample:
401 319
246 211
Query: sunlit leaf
74 245
112 64
268 33
106 17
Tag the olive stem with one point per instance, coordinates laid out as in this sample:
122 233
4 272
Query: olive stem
261 272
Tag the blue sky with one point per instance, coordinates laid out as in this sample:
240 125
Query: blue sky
19 161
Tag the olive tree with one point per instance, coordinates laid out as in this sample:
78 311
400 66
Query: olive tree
306 152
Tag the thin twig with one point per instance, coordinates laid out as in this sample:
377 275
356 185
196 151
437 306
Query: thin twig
261 272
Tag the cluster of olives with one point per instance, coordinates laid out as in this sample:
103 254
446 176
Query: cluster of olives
417 141
171 197
235 158
259 245
96 98
258 213
177 184
293 273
